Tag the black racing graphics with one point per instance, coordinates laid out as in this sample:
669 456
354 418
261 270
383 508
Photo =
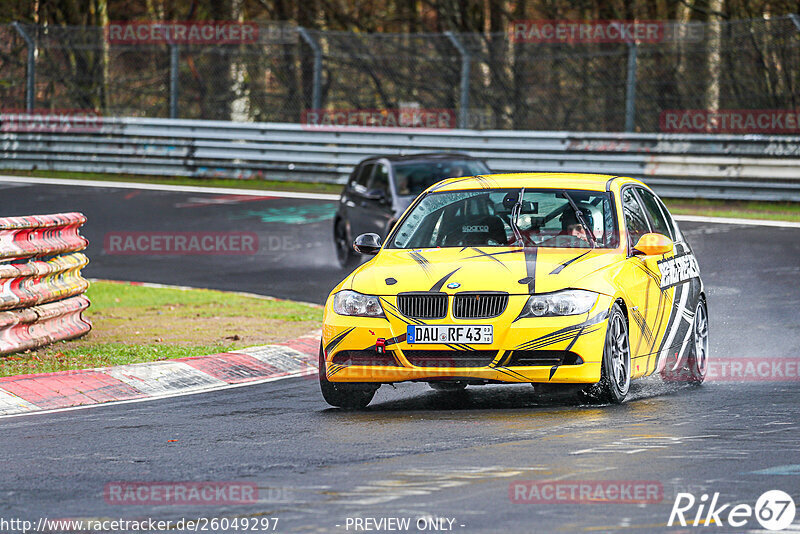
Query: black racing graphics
678 269
681 318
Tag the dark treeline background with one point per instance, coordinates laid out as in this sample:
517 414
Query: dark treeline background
401 16
395 53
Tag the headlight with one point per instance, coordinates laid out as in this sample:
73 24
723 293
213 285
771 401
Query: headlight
353 303
569 302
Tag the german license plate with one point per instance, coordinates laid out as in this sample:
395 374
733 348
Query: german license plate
466 334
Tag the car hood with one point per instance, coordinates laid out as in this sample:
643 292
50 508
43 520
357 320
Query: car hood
513 270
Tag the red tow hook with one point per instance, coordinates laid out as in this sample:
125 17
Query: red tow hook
380 345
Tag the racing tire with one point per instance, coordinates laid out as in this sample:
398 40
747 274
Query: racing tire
348 395
448 386
697 359
344 251
695 365
615 371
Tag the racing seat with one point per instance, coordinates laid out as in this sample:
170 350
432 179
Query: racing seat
477 232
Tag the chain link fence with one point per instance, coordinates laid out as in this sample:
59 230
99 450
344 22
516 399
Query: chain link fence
488 81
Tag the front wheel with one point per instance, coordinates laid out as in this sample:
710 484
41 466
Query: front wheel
615 375
344 394
344 251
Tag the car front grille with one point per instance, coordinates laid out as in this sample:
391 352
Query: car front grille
479 305
450 358
423 305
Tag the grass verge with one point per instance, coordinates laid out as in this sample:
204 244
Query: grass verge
133 324
776 211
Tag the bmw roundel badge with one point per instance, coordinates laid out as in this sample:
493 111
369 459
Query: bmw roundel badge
453 285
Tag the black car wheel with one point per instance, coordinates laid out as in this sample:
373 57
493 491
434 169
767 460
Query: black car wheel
697 360
695 365
344 394
344 251
615 375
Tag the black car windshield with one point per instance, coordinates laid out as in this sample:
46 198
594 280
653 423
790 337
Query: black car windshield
509 217
415 177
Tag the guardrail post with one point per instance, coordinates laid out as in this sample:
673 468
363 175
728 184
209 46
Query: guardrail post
316 84
796 20
30 74
466 61
630 88
173 80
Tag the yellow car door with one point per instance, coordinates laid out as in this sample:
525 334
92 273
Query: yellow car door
679 281
649 308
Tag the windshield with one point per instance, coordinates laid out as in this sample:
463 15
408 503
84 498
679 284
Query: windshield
415 177
509 217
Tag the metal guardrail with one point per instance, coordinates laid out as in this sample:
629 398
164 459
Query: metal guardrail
757 167
41 288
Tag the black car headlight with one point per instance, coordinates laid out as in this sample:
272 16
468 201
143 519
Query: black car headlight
567 302
357 304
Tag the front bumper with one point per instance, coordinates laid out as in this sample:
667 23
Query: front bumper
578 335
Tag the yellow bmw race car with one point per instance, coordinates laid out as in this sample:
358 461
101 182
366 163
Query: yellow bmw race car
544 278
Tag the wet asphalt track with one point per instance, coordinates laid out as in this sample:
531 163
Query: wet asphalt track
413 452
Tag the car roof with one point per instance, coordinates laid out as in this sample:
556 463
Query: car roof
423 156
537 180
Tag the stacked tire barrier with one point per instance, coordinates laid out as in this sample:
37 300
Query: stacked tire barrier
41 287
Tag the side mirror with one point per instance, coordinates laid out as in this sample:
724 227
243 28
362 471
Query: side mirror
653 245
368 244
375 194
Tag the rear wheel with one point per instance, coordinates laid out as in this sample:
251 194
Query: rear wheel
344 394
344 252
615 375
695 365
697 361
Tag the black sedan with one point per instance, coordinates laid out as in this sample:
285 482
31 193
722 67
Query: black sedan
381 188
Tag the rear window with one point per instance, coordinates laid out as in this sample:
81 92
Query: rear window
415 177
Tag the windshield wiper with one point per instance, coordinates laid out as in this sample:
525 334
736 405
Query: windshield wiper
581 219
515 212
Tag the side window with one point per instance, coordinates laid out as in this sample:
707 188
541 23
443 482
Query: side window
635 220
676 232
380 180
660 225
359 184
351 180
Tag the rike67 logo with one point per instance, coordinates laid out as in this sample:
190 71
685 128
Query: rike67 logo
774 510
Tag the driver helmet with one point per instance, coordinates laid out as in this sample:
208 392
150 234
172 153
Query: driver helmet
569 218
